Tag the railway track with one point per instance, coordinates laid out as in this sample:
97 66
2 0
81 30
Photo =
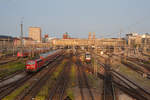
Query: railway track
146 55
127 86
141 62
7 89
57 92
2 79
7 55
13 59
7 61
108 87
13 74
146 66
83 82
35 85
142 69
133 67
138 65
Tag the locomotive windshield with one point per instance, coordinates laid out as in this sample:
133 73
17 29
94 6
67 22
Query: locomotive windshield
30 62
88 55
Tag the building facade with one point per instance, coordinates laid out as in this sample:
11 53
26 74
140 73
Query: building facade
35 33
6 42
139 41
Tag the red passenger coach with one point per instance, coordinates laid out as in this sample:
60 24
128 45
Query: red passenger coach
22 54
36 64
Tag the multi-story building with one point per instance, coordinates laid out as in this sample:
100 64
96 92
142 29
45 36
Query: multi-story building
6 42
35 33
141 41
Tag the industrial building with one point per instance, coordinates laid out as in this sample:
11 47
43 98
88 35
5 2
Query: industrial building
35 33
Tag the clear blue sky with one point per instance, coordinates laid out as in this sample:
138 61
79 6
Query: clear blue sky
105 17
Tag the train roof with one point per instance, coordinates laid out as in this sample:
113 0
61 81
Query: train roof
48 53
87 52
5 37
44 55
38 59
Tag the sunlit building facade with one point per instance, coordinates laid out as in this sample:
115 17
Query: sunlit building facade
35 33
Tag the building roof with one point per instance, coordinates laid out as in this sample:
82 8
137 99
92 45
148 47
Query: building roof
5 37
34 27
27 38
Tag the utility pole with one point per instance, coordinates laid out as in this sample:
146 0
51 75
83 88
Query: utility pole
13 48
21 26
95 56
95 62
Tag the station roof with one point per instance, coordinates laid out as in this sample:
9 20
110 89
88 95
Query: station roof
5 37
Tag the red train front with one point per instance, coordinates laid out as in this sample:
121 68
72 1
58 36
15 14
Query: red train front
88 57
31 65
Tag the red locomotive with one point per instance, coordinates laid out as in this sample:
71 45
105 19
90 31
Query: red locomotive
36 64
23 54
26 53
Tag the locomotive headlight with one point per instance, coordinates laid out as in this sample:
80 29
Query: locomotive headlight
102 52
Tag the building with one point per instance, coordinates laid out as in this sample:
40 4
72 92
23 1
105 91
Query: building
44 40
65 36
6 42
27 41
89 37
17 42
35 33
46 36
140 41
85 42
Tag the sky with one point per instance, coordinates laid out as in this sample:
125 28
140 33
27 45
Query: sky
77 17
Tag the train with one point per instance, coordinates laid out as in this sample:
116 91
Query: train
87 57
27 53
21 54
35 65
